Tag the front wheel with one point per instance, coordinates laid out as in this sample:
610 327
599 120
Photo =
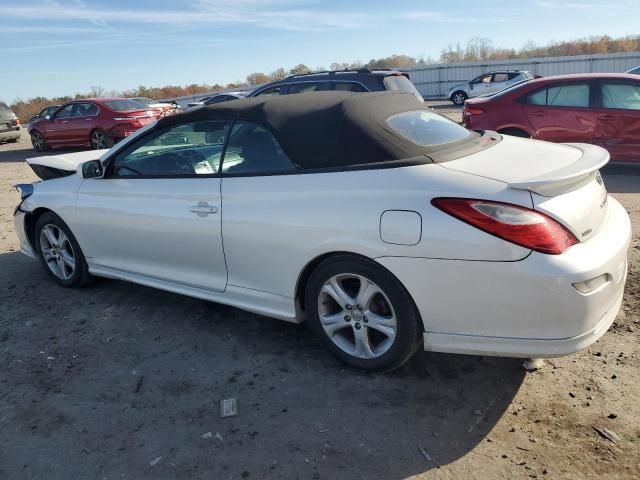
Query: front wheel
59 252
38 141
361 313
458 98
100 140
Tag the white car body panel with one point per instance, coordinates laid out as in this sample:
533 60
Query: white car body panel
475 292
67 161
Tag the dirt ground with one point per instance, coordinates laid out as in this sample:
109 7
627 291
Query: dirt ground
119 381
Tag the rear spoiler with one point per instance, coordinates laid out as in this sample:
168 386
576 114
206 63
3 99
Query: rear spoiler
592 159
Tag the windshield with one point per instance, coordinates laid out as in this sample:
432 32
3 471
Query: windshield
145 100
400 83
426 128
124 105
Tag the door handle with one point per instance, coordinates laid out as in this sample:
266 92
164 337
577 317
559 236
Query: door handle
203 209
537 114
606 117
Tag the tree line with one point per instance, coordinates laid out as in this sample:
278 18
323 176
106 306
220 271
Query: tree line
476 49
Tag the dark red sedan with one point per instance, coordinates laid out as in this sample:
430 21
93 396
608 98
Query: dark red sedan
94 122
598 108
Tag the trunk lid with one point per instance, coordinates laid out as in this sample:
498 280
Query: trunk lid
563 179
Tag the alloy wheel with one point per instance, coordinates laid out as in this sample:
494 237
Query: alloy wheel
37 141
458 99
357 316
57 251
98 140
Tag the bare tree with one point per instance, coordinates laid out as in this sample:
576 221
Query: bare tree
258 78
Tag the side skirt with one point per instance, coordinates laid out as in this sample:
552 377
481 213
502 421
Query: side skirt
254 301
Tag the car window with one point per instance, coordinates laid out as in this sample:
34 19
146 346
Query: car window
575 95
349 87
303 87
426 128
635 71
185 149
621 95
218 99
65 112
486 79
400 83
514 75
501 77
270 91
124 105
85 110
254 150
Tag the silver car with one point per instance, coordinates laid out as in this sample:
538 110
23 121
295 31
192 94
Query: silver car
486 83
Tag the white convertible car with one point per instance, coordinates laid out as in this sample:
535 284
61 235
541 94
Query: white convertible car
379 222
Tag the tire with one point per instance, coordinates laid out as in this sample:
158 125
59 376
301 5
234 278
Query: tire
458 97
38 141
100 140
345 327
515 132
56 248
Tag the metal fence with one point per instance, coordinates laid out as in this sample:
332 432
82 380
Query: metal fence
434 81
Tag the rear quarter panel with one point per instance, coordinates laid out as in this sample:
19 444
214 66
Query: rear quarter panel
274 226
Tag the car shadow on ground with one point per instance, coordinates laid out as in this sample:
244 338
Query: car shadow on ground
21 154
106 380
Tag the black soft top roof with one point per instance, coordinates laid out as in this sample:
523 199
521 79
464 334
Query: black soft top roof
324 129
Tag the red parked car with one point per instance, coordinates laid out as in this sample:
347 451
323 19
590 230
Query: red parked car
94 122
598 108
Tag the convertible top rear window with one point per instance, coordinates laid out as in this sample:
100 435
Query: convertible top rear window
427 129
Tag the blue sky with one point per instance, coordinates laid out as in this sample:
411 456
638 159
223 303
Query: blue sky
58 47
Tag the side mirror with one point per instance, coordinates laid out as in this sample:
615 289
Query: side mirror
92 169
48 117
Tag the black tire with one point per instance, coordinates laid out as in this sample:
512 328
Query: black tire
458 97
515 132
38 141
80 274
100 140
408 332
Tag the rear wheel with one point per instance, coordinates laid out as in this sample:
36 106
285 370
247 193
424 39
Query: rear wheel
100 140
361 313
38 141
459 97
59 252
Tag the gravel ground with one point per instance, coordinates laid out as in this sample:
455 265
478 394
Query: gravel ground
119 381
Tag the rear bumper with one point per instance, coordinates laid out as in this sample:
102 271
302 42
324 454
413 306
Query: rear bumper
527 308
10 134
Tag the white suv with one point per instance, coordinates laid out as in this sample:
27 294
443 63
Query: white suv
487 83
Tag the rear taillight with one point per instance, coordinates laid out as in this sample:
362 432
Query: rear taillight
474 111
515 224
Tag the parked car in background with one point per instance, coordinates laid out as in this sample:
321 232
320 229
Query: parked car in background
44 112
598 108
10 129
94 122
635 71
360 80
218 98
336 209
167 108
487 83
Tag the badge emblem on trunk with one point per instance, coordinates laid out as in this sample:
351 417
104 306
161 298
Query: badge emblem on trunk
599 178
